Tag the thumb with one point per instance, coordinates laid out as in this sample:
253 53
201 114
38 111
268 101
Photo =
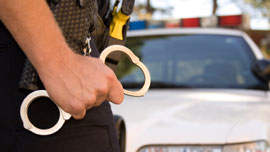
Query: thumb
116 92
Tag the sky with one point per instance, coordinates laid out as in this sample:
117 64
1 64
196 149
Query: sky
203 8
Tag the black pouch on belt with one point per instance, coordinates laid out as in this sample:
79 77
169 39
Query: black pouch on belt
111 28
76 19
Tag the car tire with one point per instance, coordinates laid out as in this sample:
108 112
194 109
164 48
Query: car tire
121 131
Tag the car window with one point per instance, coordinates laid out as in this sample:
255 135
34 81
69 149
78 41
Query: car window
191 61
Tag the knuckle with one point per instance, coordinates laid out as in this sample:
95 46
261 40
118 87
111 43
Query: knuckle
103 90
99 102
110 75
76 107
90 100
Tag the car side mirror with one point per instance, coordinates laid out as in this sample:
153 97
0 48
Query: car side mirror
262 69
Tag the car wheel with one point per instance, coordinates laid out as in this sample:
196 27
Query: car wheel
121 132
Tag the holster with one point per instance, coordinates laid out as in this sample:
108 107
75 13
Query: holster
103 26
103 39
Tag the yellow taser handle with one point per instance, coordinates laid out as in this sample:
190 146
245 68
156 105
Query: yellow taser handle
116 27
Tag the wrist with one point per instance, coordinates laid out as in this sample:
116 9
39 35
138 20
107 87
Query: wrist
55 61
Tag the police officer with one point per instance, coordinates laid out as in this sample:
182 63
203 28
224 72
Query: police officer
76 83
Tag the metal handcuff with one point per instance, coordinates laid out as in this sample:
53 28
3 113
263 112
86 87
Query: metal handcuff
63 116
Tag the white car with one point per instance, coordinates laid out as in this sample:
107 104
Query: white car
209 93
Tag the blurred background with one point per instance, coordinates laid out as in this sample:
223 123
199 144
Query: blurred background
251 16
209 87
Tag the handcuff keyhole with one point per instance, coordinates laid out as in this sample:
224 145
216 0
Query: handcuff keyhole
43 113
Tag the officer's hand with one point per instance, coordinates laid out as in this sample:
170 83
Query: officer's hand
81 83
74 82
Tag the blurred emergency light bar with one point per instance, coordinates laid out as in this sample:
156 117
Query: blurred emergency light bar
231 21
190 22
172 24
137 25
152 24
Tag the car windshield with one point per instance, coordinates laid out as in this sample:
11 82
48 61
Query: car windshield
191 61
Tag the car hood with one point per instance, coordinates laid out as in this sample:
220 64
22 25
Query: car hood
195 116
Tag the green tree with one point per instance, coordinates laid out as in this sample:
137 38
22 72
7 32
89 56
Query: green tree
262 5
144 9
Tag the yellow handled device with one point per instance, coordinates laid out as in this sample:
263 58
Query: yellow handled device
116 27
120 18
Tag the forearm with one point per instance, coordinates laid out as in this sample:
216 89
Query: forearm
74 82
33 26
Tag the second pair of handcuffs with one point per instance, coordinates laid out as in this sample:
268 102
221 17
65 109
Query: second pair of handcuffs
63 116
